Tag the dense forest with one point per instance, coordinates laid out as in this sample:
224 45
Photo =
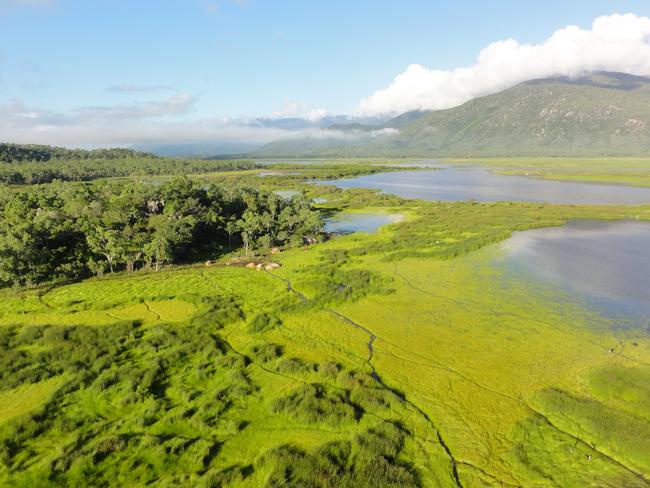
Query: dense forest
34 164
63 231
10 153
32 173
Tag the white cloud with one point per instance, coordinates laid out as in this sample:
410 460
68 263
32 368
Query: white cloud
387 131
297 109
614 43
123 125
22 123
174 105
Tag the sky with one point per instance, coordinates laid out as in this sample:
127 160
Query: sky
118 72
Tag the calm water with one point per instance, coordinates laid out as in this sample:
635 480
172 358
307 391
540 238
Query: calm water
286 193
348 223
607 263
466 183
271 163
276 173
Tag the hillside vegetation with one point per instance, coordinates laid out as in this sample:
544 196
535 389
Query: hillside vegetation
603 114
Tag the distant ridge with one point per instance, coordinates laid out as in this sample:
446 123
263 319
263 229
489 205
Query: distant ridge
598 114
12 153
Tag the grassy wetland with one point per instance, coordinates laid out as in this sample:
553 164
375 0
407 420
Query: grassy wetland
401 357
621 171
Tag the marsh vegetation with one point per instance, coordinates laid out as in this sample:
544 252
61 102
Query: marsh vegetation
401 357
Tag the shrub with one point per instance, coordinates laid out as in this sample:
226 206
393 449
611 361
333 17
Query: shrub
294 366
371 399
329 369
368 461
264 322
313 403
266 352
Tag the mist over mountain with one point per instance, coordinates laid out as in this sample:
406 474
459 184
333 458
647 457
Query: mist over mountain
324 128
596 114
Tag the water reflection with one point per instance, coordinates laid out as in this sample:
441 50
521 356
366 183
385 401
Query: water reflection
608 263
467 183
286 193
349 223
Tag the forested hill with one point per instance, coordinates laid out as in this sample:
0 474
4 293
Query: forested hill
601 114
11 153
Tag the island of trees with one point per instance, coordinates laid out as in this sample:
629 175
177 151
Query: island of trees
68 231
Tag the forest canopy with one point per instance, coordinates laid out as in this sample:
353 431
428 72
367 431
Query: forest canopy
10 153
65 231
34 164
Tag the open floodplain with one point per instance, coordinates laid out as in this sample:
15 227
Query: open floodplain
431 351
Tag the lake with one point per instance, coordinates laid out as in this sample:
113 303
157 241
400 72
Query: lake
286 193
467 183
605 262
346 223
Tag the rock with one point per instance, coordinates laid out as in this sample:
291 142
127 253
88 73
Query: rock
208 263
250 265
272 266
259 267
275 250
154 206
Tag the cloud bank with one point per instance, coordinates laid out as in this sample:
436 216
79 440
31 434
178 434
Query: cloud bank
154 122
614 43
292 108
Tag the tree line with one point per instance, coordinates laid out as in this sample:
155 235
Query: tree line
63 231
10 153
37 172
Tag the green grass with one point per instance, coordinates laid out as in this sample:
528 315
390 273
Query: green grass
617 170
623 387
613 432
225 376
24 399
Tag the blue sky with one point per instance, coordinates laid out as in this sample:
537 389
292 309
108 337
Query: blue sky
227 58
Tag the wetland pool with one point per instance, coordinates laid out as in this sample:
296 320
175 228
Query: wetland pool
347 223
459 183
607 263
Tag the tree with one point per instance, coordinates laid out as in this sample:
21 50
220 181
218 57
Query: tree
64 231
158 251
231 227
105 242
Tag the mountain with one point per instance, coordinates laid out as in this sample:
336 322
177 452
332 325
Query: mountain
234 148
198 149
394 123
597 114
325 122
339 138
